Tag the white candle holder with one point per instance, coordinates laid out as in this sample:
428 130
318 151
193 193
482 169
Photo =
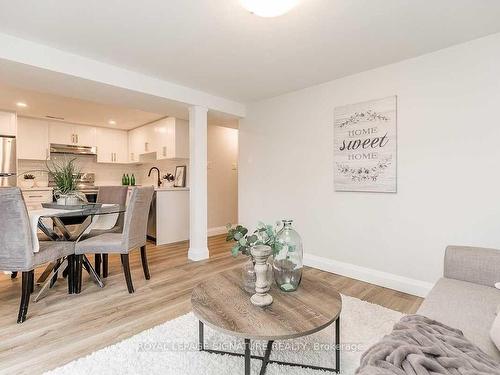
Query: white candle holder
260 254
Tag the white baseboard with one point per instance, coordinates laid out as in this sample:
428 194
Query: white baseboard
369 275
216 231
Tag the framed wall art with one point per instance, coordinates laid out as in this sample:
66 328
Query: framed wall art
365 146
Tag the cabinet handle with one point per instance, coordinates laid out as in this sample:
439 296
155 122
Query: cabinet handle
72 138
146 146
132 156
76 138
112 159
165 151
35 196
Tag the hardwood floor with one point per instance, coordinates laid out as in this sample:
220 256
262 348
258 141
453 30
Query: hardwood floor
62 327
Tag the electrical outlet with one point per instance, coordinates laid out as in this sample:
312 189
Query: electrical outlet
209 165
234 166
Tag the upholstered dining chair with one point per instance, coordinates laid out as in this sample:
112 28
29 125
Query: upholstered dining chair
132 237
16 246
110 195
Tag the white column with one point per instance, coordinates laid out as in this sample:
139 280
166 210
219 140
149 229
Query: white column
198 248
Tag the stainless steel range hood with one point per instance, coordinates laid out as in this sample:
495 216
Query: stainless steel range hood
72 149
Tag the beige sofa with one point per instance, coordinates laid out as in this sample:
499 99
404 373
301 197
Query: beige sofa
465 298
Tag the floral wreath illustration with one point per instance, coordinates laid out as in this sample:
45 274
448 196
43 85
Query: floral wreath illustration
368 115
362 174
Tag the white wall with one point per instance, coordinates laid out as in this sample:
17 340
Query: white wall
222 176
448 162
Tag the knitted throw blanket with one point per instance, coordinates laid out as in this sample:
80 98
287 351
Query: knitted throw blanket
421 346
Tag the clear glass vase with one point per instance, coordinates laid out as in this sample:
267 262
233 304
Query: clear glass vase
288 261
248 276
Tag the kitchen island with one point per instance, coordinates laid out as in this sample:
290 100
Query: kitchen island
169 216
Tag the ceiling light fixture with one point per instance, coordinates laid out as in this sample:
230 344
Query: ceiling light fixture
21 104
269 8
112 122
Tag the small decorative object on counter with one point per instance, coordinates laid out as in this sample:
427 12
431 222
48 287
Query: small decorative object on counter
260 254
168 180
124 181
288 262
180 176
132 180
127 179
29 180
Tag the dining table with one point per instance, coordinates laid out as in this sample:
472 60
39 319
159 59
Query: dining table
71 223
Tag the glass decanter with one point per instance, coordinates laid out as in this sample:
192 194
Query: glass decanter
288 258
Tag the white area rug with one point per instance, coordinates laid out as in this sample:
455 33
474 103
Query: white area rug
171 348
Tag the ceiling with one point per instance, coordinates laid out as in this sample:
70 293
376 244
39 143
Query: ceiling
78 111
218 47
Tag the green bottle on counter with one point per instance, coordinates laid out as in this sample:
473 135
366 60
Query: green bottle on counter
123 179
127 179
132 180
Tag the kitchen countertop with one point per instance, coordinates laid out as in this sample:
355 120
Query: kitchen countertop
164 188
172 189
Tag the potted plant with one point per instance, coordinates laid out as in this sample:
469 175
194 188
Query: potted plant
29 180
65 174
168 180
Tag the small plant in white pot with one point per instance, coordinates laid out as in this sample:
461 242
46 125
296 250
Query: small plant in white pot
168 180
28 180
65 174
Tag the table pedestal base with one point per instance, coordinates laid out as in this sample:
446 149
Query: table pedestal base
265 359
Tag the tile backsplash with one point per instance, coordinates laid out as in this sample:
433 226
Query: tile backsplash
105 173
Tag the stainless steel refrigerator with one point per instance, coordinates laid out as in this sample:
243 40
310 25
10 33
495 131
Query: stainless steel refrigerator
8 171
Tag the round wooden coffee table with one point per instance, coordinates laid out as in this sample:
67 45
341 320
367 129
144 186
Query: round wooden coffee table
221 303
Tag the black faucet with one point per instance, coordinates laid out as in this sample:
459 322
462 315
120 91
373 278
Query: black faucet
157 170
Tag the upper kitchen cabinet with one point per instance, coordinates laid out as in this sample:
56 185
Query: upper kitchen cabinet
137 143
72 134
32 139
8 124
112 145
171 138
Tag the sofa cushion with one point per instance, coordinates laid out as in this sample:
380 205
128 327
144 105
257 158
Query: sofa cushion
495 332
466 306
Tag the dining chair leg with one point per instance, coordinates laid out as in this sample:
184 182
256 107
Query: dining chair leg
32 281
70 272
13 275
27 278
97 264
78 273
104 265
126 271
56 274
144 260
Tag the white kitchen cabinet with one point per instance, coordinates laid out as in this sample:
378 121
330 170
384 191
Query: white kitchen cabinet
85 135
137 143
8 124
72 134
172 215
32 139
36 196
171 138
167 138
112 145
